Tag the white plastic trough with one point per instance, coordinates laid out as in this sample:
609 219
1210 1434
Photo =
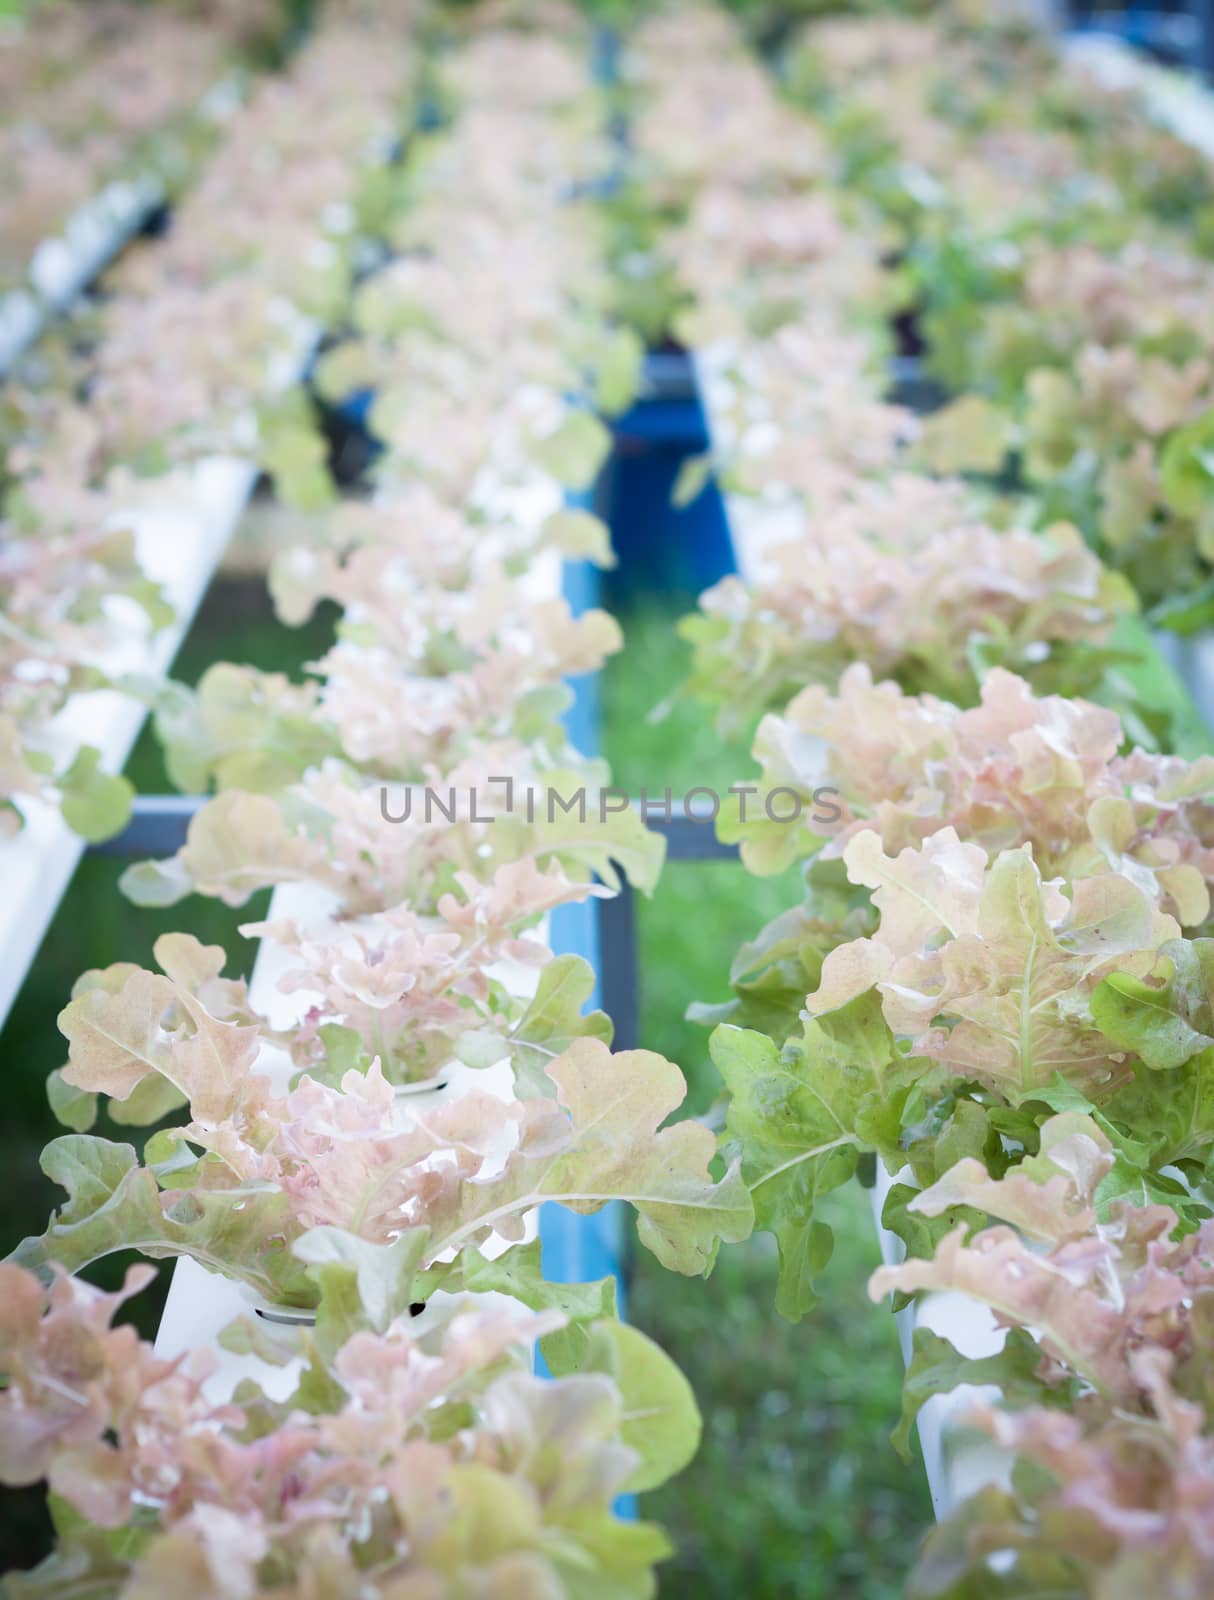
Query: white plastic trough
958 1461
756 522
1185 106
1172 98
182 525
179 540
66 264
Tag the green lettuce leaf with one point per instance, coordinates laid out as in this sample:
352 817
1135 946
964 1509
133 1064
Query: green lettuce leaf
799 1118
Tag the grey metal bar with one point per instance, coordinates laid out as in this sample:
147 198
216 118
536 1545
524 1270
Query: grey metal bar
159 823
913 387
1202 51
158 826
618 968
669 375
688 838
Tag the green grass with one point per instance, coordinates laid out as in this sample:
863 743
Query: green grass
796 1493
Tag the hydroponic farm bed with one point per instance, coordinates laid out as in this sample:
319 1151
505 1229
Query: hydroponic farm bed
937 287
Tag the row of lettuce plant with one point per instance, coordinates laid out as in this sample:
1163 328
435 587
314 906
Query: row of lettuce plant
997 983
1057 243
117 409
931 577
395 1443
91 94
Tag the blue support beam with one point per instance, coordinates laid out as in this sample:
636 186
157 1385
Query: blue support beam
581 1249
663 548
1179 35
576 1248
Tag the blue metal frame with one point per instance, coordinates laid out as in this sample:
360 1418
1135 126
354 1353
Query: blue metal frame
653 439
574 1248
665 427
1181 34
578 1249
